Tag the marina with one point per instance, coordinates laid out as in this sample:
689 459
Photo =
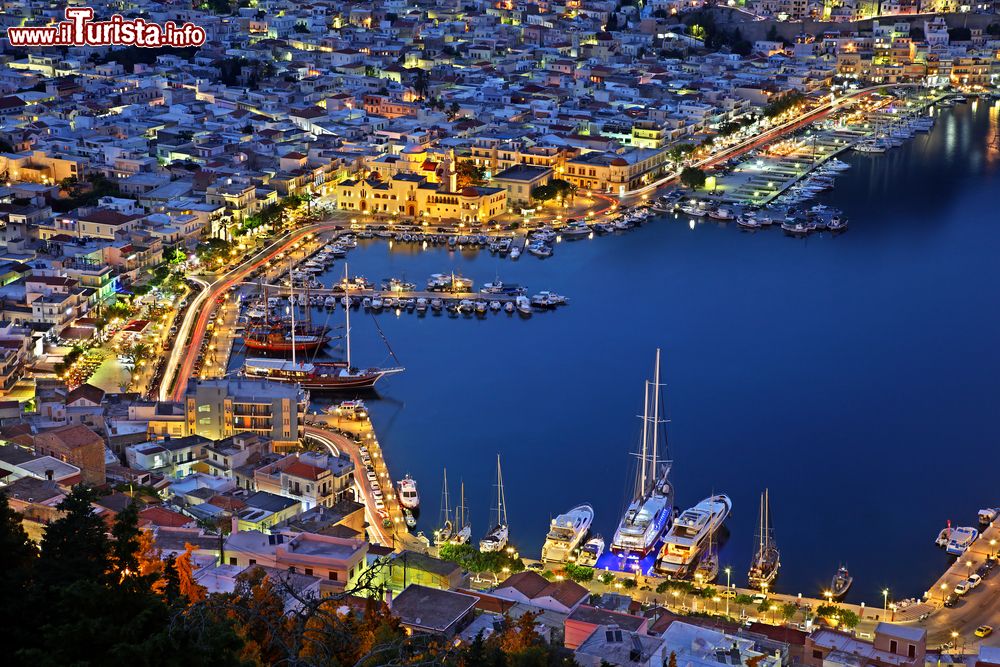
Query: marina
781 308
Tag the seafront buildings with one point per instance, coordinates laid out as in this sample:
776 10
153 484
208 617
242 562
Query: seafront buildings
133 180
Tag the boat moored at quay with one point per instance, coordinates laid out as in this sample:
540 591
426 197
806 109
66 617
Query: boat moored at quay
690 534
566 532
649 512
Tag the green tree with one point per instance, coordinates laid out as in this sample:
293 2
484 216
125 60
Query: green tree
693 177
543 193
17 560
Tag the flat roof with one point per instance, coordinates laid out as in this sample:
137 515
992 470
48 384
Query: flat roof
431 608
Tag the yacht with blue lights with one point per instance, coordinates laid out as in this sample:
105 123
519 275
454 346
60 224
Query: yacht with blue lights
651 509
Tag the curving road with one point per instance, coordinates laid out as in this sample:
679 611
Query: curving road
337 443
191 332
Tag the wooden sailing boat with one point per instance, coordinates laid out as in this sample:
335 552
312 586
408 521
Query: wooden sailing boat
319 375
443 534
766 558
496 538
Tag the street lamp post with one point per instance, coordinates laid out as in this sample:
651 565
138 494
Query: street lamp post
729 587
885 600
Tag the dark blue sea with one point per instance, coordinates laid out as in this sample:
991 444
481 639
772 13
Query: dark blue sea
855 376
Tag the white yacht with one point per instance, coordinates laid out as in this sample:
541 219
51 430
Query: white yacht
691 533
651 508
566 533
961 540
408 497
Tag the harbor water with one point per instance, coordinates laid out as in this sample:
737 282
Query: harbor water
855 376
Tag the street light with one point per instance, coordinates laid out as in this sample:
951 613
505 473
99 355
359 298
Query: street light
729 586
885 599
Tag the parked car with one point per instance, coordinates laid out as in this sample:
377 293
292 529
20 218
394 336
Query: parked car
974 580
984 631
962 588
951 600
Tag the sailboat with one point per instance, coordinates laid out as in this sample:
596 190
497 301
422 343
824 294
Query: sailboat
328 375
463 529
496 538
443 534
766 558
651 508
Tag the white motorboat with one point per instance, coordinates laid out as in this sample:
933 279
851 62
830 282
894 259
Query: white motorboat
540 250
691 532
523 305
961 539
721 213
509 307
496 538
330 302
987 516
591 552
408 496
515 252
566 532
421 305
649 512
495 306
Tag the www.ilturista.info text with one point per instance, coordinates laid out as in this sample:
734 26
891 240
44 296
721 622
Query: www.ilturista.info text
79 29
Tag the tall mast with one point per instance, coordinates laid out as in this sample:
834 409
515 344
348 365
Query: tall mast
641 490
291 306
501 501
347 316
445 509
656 413
460 522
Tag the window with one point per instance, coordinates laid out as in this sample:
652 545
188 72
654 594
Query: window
253 561
232 560
332 575
291 568
911 651
309 571
204 408
892 646
818 654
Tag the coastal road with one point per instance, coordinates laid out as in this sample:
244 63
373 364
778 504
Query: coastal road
338 443
191 332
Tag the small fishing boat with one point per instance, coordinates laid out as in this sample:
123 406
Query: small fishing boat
840 583
509 307
408 517
987 516
961 539
592 550
408 496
